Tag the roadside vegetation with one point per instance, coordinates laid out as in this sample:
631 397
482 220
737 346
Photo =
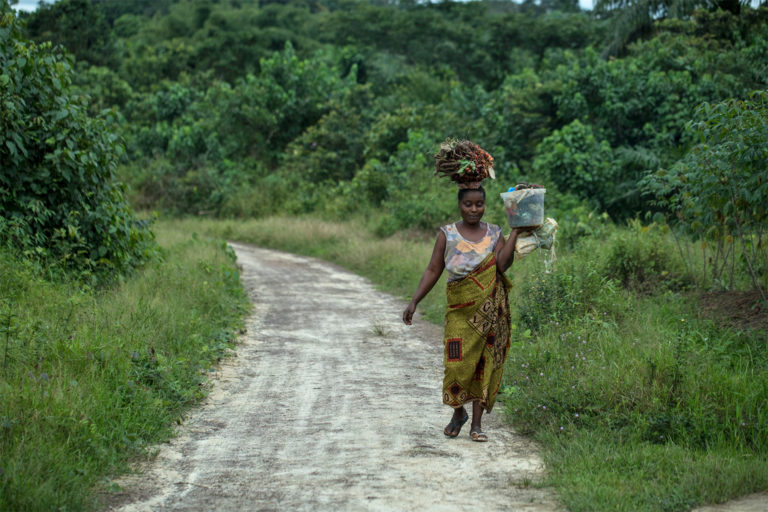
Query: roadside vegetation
639 362
91 378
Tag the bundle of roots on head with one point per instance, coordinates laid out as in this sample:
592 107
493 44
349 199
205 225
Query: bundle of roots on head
464 162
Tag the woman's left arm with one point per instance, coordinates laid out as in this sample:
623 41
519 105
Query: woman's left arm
505 251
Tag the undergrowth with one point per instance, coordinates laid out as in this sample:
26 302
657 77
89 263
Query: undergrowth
639 403
89 379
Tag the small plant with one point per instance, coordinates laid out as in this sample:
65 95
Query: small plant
379 328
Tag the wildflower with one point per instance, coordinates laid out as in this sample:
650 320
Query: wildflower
541 374
561 428
577 415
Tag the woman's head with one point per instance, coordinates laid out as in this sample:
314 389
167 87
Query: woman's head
464 191
472 204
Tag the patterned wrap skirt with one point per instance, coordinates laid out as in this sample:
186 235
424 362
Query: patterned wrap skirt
477 328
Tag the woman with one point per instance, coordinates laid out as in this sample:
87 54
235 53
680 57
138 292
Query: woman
477 321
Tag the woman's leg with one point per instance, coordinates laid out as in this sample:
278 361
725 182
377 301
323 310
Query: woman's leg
477 415
476 432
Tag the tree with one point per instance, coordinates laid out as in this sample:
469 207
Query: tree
78 25
635 18
718 190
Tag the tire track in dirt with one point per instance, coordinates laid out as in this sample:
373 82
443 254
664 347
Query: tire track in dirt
331 404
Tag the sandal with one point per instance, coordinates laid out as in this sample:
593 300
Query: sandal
478 436
456 425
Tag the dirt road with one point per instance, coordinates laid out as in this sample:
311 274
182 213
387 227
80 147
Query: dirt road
331 404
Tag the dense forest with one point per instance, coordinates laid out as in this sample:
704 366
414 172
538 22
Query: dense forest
647 121
240 108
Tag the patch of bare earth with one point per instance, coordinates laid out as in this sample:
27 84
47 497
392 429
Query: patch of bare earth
331 404
738 309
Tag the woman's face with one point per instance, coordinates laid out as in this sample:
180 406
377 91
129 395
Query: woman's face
472 207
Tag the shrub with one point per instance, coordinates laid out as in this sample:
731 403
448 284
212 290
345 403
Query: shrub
642 260
718 189
58 197
571 291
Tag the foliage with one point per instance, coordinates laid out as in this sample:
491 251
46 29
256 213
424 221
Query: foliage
312 102
644 260
58 197
78 25
575 161
633 18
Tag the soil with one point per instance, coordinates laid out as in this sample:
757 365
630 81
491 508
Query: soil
332 404
740 310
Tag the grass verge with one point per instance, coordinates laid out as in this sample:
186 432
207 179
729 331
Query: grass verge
639 404
89 379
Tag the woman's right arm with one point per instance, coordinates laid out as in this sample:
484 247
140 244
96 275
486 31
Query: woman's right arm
430 277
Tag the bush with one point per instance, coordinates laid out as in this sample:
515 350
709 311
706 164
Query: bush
571 291
718 189
58 197
643 260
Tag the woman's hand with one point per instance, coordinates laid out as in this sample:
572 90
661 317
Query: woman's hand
408 313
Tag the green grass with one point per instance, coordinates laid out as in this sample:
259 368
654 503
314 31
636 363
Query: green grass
638 403
90 379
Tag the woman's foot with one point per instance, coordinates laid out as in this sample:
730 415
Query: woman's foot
478 435
458 420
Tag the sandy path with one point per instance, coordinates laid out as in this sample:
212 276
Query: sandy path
331 404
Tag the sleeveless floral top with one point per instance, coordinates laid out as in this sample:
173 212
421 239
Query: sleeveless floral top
463 256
